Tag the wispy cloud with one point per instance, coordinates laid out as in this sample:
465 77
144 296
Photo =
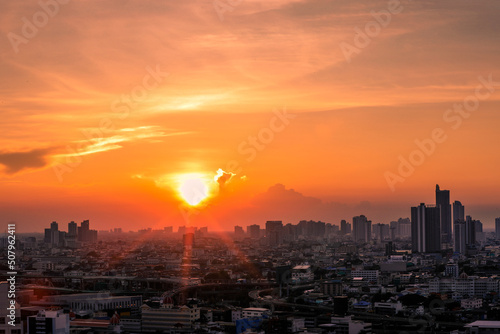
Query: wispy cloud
120 137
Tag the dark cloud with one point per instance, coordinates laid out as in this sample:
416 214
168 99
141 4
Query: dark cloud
291 206
17 161
222 178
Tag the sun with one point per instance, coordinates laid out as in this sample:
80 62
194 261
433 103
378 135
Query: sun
193 190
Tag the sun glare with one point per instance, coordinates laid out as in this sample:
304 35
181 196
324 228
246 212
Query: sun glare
193 190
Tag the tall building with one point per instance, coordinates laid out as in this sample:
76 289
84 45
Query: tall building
443 202
72 229
361 229
49 322
404 228
458 211
470 231
497 227
380 231
253 231
459 228
274 232
343 227
459 241
239 232
425 229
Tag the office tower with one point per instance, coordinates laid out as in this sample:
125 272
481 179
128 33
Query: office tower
274 232
362 229
470 231
72 229
254 231
47 236
459 231
458 211
443 202
54 226
497 227
85 234
52 235
343 227
425 229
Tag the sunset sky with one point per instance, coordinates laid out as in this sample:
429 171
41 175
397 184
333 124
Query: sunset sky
108 108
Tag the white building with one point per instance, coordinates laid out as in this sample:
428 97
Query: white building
49 322
464 285
167 317
367 275
302 274
471 303
253 312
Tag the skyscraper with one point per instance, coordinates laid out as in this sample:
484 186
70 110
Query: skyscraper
459 231
72 229
425 228
361 229
458 211
470 231
443 202
343 227
459 228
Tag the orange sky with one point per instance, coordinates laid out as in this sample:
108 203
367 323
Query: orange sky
106 107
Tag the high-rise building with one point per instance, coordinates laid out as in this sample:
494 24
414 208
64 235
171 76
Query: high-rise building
497 227
459 231
343 227
254 231
459 228
404 228
239 232
274 232
425 228
72 229
458 211
443 202
380 231
470 231
362 229
85 234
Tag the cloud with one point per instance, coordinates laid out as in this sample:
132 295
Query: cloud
17 161
121 136
222 178
291 206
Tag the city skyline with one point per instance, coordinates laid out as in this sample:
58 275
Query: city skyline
196 217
